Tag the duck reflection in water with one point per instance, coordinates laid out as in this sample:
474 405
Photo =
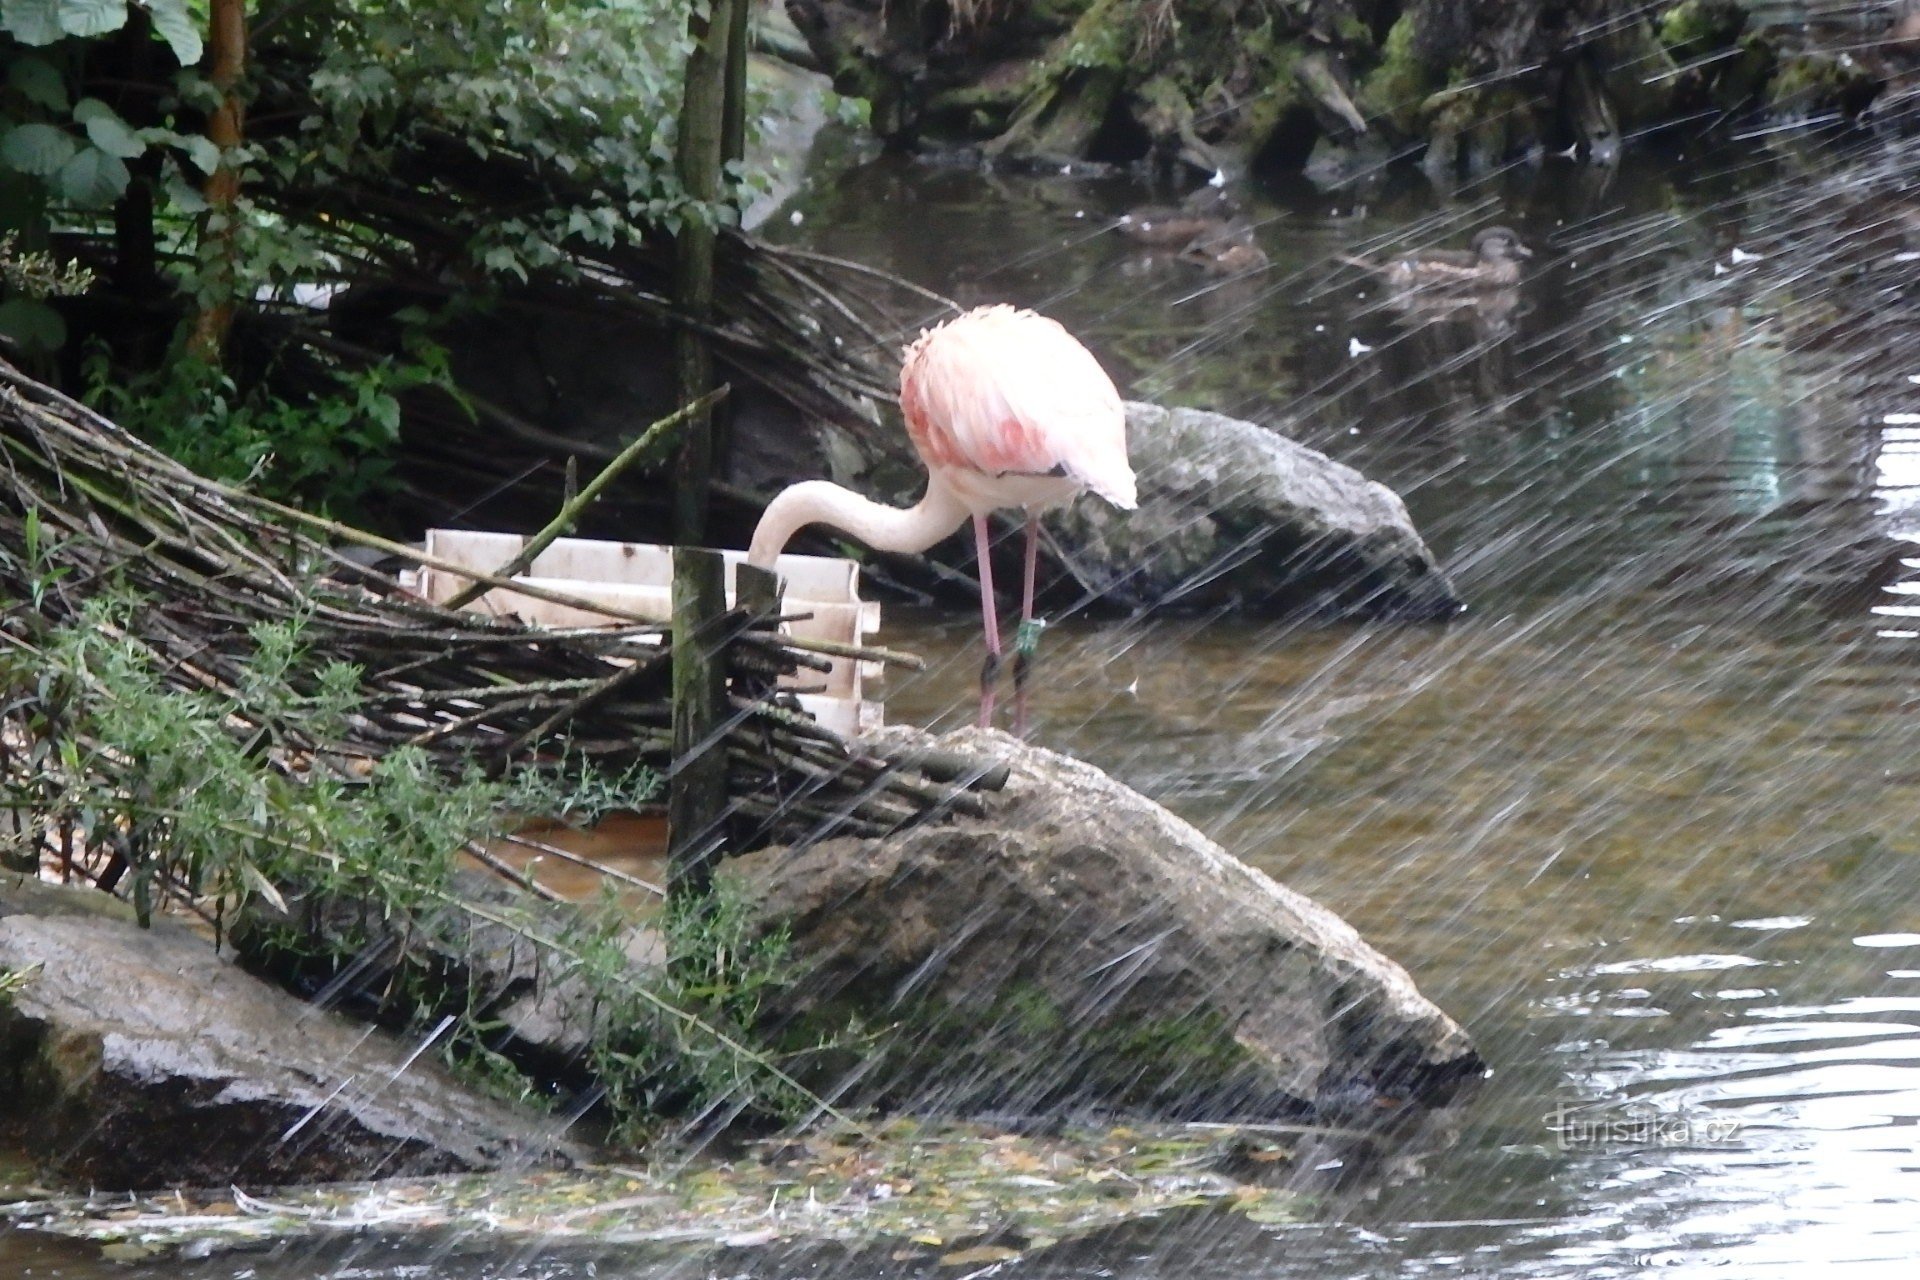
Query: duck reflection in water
1456 309
1204 229
1229 250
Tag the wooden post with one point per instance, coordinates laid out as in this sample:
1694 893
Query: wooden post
707 111
756 596
226 129
697 780
756 593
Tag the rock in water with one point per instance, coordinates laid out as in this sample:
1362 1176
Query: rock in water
137 1058
1083 948
1235 514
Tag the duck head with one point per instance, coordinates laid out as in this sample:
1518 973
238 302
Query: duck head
1500 244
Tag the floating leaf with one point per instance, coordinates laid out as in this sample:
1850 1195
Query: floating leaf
37 148
93 178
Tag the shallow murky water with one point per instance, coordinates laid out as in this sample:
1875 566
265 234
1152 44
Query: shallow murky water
1643 820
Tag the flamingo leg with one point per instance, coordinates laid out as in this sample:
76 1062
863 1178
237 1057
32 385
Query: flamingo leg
989 670
1027 638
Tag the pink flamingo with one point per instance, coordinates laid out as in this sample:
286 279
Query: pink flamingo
1006 409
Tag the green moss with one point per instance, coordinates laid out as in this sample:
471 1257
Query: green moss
932 1046
1399 87
1813 82
1283 94
1103 36
1695 28
1352 33
1163 96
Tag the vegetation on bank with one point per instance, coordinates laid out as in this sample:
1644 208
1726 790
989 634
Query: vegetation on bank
1225 83
208 706
142 783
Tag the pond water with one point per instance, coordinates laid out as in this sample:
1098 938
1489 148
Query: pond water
1644 818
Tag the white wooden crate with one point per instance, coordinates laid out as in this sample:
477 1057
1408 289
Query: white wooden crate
637 578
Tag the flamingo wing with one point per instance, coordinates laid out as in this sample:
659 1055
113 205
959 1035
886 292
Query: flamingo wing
1000 391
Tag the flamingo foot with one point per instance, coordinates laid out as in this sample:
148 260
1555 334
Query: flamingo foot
989 676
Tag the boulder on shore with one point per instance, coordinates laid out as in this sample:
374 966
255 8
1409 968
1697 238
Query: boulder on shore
1235 514
134 1058
1082 948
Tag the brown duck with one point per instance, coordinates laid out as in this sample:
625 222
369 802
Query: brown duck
1492 263
1160 226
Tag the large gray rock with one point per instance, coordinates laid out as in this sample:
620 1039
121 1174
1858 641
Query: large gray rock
138 1058
394 967
1235 514
1081 947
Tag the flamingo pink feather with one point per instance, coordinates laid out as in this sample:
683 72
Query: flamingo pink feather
1006 409
1000 391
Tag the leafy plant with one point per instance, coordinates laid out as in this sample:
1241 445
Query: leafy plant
193 801
15 980
509 134
332 449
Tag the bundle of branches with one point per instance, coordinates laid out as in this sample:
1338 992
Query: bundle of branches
807 337
812 336
87 511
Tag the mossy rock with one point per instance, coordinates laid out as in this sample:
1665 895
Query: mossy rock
1696 28
1080 948
1398 88
1811 83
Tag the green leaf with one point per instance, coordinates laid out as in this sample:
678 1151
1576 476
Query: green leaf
34 325
93 178
174 24
92 17
31 21
184 196
202 151
38 82
36 148
255 878
107 130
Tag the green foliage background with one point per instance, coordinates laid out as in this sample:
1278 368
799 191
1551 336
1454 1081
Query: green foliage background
457 145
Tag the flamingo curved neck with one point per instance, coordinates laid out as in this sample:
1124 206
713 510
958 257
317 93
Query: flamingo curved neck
906 529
